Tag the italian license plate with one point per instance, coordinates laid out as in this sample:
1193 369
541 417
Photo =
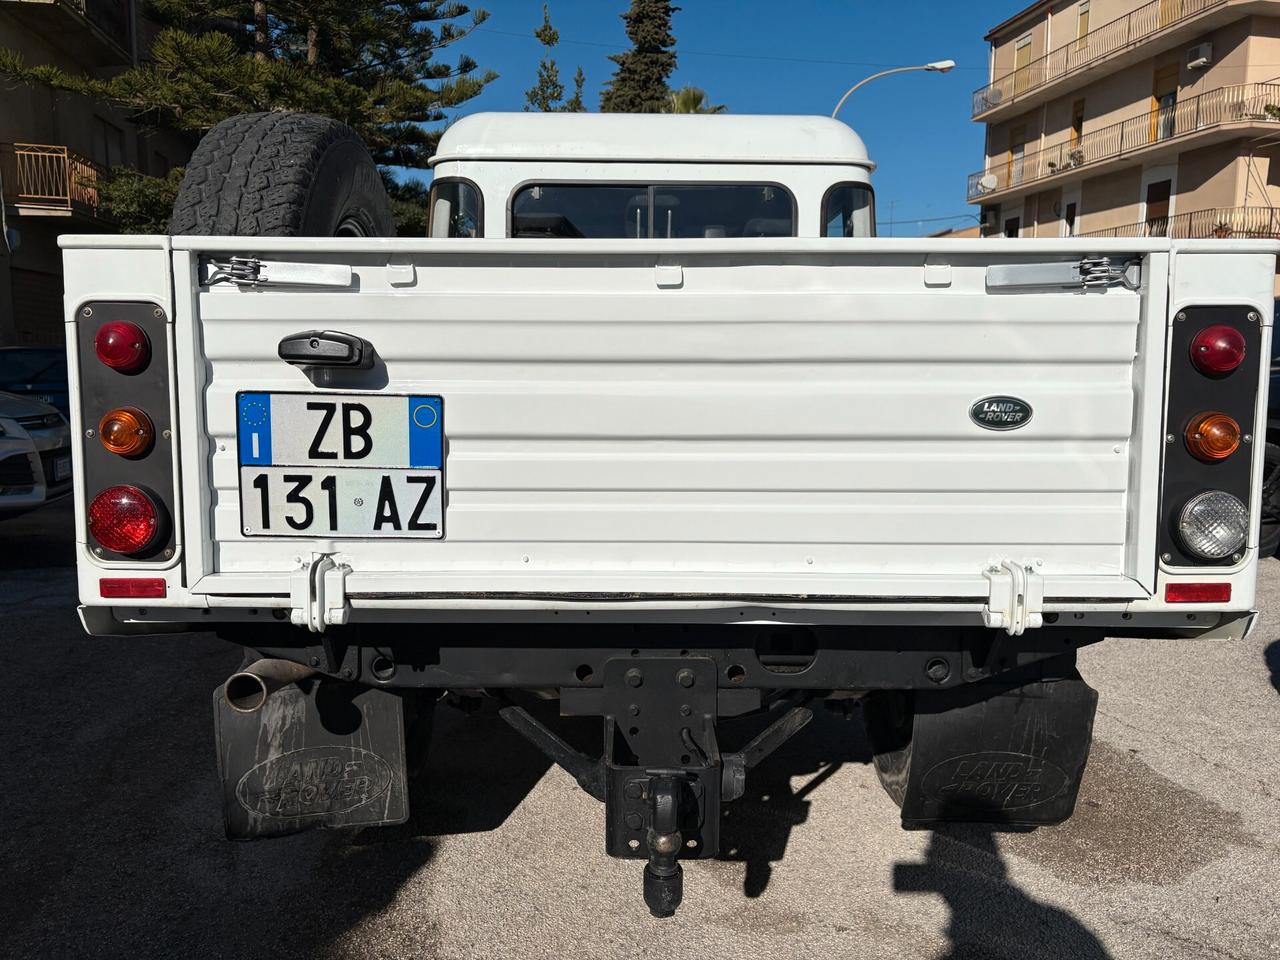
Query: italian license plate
340 465
61 468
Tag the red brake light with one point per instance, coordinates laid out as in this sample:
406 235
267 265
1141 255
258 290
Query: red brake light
122 346
1197 592
1218 349
124 519
131 587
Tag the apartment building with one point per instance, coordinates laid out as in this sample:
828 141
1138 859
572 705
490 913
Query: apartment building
55 147
1127 118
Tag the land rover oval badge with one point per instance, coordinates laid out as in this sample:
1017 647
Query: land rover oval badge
1000 413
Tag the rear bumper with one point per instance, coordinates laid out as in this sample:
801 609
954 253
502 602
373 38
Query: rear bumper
274 613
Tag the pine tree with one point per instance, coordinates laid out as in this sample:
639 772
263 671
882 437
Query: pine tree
547 95
639 85
369 63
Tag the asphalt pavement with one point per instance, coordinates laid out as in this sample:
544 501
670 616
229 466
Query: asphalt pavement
111 838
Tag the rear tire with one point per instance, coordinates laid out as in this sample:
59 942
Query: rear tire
1269 521
282 175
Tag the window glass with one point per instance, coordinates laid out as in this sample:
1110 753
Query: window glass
637 211
849 210
456 210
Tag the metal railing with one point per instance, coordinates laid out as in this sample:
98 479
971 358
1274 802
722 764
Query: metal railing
1132 28
51 178
1240 223
113 17
1257 102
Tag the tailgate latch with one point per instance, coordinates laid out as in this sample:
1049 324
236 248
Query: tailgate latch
1088 273
1015 598
318 594
255 272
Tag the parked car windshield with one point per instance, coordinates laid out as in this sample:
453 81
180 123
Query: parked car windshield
23 365
848 210
617 211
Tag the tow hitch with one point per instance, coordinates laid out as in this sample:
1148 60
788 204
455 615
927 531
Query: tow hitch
661 775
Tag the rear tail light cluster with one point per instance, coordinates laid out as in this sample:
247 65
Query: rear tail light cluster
1213 384
128 472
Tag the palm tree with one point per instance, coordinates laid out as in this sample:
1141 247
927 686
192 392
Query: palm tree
692 100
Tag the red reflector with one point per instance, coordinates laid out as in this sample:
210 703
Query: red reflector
1197 592
123 519
1218 350
131 587
122 346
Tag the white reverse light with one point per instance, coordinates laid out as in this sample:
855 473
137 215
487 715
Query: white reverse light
1214 525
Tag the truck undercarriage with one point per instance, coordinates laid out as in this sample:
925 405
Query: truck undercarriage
963 727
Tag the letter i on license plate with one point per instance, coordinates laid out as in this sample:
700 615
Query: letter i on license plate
340 465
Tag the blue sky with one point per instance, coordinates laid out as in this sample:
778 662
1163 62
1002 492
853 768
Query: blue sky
793 56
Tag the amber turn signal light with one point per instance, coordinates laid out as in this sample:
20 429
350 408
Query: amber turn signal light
1212 436
126 431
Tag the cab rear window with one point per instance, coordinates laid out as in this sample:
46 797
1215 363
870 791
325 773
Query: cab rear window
601 211
849 210
456 210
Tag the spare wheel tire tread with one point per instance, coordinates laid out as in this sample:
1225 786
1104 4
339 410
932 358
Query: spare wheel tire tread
259 175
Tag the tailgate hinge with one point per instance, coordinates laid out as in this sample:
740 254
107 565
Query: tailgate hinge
318 594
1087 273
1016 596
253 272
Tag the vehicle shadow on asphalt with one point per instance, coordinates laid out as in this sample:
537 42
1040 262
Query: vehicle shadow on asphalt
756 828
990 915
114 845
1271 656
40 539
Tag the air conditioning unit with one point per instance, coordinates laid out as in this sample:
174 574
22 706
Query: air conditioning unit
1199 56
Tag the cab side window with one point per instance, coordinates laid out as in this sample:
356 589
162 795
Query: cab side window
456 210
849 210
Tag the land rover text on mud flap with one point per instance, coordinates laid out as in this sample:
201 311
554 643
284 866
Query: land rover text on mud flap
651 428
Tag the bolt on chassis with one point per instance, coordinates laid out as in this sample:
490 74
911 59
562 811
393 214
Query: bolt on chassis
651 428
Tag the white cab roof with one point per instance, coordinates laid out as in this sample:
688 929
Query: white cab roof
657 137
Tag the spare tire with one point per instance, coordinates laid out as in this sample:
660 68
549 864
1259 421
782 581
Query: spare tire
282 175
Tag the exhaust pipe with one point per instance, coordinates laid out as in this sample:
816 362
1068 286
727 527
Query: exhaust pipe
247 690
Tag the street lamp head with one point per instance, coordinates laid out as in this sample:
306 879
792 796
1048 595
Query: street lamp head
938 66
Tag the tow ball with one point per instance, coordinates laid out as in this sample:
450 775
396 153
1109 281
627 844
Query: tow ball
661 775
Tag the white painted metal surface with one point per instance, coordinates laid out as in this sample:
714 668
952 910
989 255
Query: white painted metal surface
783 433
657 137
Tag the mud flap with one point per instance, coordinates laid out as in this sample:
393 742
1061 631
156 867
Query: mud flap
318 754
984 753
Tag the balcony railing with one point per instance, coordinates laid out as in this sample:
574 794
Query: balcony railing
1252 102
1133 27
1240 223
41 177
112 17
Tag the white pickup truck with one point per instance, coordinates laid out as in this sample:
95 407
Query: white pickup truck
652 425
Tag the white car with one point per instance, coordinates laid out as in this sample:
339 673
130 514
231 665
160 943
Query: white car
35 455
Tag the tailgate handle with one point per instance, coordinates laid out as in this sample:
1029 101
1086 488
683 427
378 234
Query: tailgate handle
327 348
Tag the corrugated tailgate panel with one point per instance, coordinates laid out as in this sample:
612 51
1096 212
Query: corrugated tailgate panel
766 417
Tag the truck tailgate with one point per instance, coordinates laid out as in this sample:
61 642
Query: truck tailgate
641 420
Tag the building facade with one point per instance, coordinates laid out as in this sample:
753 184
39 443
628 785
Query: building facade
1127 118
55 147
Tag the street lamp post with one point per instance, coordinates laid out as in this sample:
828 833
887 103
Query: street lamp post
938 66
